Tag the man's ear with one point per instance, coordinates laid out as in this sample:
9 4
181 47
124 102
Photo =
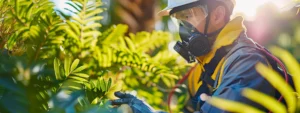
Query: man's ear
218 15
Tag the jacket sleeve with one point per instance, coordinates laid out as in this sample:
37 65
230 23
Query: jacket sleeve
239 73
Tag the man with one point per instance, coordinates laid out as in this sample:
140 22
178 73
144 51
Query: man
226 57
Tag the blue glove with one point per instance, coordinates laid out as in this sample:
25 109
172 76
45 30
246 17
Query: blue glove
137 105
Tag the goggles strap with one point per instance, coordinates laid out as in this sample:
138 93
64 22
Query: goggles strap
207 23
207 20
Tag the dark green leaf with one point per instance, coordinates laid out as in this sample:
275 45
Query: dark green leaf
109 83
103 84
75 6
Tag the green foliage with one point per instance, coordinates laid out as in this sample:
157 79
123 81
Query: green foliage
52 62
70 74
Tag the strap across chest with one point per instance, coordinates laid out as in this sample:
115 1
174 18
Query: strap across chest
209 74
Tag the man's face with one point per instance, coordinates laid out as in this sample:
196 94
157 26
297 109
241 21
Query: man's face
195 16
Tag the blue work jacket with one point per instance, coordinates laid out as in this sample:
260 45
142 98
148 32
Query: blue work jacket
232 73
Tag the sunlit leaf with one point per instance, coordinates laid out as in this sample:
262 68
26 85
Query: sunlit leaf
103 85
71 34
291 63
115 87
67 64
94 12
97 18
130 44
232 106
74 65
78 78
95 101
109 83
118 32
267 101
91 33
79 69
166 81
92 26
82 75
170 76
56 69
74 28
279 83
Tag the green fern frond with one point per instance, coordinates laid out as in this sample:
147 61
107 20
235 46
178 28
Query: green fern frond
36 25
113 35
83 26
149 41
70 73
97 88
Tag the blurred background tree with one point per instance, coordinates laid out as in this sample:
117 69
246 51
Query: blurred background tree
138 14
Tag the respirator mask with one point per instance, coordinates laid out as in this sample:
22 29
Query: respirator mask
189 21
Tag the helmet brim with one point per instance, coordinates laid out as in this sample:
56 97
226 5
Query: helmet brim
172 4
164 12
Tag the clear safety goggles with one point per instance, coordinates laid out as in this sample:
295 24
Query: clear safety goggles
190 18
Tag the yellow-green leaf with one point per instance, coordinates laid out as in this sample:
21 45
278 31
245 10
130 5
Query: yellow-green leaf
74 65
232 106
166 81
109 83
71 34
79 69
94 12
82 75
92 26
91 34
279 83
96 18
74 27
77 19
67 65
118 33
268 102
103 85
170 76
96 100
56 69
79 79
291 63
116 87
130 44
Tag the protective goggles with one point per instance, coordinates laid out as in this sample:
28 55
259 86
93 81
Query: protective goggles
190 18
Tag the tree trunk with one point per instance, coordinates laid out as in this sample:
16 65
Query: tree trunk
139 15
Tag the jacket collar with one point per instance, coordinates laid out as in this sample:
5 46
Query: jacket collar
226 37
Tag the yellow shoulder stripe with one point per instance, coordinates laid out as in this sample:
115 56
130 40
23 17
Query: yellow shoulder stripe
193 79
221 74
195 75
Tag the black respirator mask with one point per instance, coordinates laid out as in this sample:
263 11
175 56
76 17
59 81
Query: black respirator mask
193 43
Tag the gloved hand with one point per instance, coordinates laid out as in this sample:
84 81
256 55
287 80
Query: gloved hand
137 105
